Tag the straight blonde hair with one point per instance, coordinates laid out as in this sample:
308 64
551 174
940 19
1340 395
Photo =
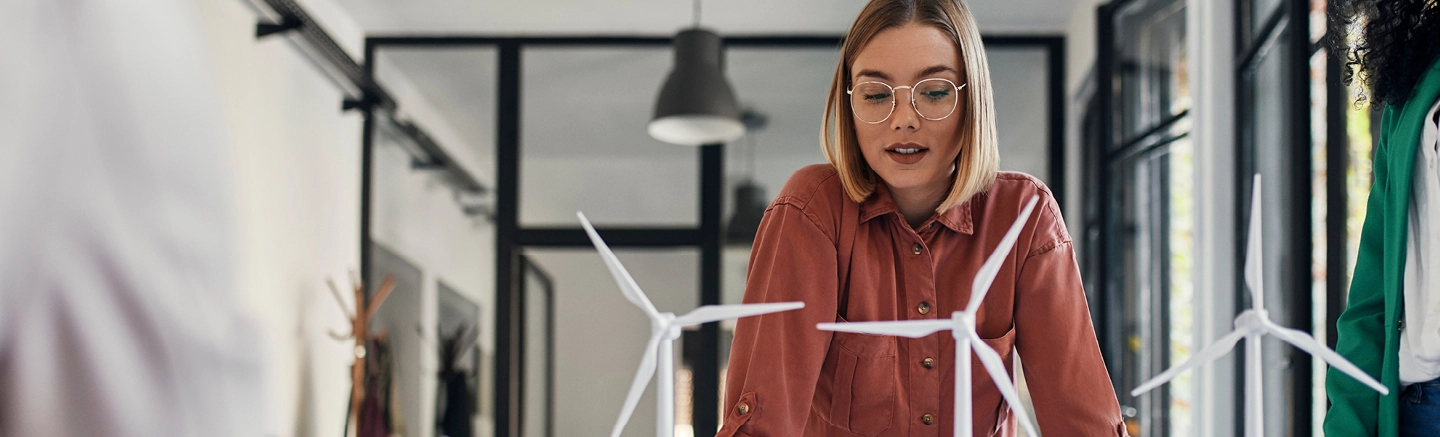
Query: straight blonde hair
979 156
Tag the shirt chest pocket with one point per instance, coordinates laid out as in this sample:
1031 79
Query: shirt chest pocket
862 371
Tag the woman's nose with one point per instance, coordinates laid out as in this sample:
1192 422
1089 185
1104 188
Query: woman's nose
905 116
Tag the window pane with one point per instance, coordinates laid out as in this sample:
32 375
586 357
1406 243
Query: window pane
1261 10
1153 58
1181 216
450 93
1265 149
600 336
539 326
1319 207
584 144
1156 283
409 349
1020 77
784 106
420 227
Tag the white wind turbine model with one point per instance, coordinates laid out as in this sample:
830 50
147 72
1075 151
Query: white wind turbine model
961 325
1252 324
664 329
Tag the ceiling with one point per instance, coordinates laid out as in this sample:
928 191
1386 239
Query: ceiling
660 17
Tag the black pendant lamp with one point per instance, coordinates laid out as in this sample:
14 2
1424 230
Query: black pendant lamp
696 104
750 199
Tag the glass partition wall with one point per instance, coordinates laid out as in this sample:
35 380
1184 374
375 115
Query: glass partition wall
557 125
427 162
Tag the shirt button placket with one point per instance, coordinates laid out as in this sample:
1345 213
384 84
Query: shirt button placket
917 249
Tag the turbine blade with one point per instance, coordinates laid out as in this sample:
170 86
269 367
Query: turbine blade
992 363
642 379
1253 254
986 275
1307 343
1218 349
906 328
715 313
628 287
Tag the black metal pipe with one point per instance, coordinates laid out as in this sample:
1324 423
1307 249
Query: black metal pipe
507 212
706 375
367 179
614 237
1337 154
1301 164
1055 60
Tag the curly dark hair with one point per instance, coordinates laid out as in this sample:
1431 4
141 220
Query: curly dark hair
1398 41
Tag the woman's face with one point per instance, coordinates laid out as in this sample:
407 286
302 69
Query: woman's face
908 151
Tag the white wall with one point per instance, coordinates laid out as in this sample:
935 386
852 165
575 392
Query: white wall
1079 63
296 161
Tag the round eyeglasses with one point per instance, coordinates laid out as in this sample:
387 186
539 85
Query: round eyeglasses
933 99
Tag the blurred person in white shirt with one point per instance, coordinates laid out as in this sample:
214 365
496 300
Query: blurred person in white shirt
117 314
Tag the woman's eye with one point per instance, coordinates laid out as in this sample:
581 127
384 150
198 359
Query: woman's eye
936 95
877 97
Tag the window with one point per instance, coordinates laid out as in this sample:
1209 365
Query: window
1140 159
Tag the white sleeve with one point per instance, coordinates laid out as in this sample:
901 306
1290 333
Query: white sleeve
116 311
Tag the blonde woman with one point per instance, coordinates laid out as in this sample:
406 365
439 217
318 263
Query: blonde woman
895 228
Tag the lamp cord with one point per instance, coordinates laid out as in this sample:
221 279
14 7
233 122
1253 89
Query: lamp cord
697 13
750 152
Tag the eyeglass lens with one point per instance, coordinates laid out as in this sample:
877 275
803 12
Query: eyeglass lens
933 99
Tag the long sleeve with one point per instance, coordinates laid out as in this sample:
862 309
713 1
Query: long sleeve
776 359
1354 409
1056 341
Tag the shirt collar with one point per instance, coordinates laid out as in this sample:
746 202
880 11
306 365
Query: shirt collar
879 203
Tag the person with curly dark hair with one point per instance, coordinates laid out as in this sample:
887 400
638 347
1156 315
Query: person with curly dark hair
1391 326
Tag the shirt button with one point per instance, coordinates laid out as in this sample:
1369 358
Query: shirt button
927 419
743 409
929 363
916 249
924 308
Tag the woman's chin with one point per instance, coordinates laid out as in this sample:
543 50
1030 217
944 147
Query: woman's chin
904 181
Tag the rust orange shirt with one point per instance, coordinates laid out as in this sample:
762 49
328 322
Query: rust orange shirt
861 262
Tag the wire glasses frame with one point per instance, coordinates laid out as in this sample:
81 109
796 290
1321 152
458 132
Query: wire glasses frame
940 96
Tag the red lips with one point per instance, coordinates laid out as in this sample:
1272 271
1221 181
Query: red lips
906 153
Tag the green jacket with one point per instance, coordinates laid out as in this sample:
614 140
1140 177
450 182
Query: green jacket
1376 303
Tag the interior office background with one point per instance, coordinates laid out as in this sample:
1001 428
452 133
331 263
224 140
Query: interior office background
1146 115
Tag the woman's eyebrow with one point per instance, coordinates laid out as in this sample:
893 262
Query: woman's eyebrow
936 69
873 73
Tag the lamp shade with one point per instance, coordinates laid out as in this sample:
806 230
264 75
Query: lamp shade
750 205
696 104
